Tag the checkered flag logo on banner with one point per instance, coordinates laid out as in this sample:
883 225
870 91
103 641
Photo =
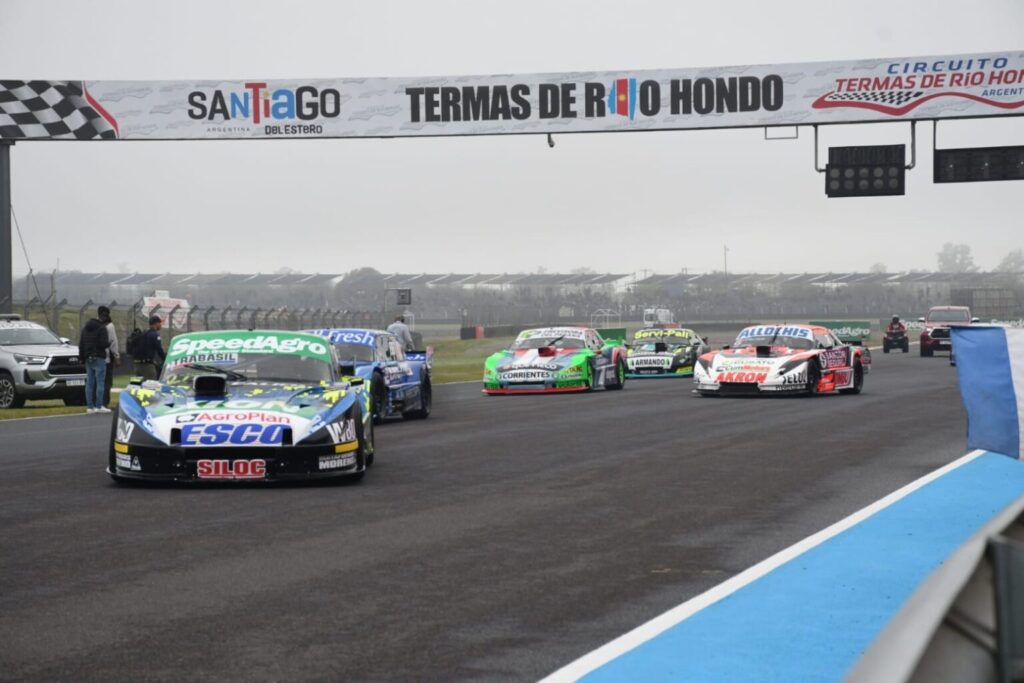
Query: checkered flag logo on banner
55 110
891 98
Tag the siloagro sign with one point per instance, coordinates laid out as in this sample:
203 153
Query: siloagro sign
950 86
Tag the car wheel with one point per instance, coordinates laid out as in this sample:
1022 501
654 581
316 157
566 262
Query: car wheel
369 446
426 402
378 394
9 397
906 346
885 346
858 380
620 376
813 377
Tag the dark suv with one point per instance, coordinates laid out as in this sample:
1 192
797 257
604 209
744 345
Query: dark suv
935 336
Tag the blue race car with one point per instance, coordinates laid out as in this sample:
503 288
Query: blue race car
398 380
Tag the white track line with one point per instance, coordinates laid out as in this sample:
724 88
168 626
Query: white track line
626 642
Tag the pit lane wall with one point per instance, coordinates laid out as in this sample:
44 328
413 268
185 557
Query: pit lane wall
885 89
926 584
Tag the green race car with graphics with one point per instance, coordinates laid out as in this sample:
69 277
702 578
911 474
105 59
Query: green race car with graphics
238 405
556 360
664 352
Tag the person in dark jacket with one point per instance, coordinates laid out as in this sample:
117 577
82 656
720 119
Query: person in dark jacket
149 365
92 347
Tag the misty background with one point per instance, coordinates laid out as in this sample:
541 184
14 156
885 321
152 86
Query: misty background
659 202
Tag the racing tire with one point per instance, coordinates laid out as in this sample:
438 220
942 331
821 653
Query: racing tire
9 397
926 353
426 402
378 394
813 377
885 346
858 380
372 450
620 376
906 346
118 481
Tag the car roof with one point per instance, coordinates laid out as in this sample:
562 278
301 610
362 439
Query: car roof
331 332
22 324
802 326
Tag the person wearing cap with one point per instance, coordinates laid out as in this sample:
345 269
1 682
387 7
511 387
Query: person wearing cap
151 362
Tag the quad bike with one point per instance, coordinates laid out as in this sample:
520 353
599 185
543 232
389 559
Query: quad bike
896 339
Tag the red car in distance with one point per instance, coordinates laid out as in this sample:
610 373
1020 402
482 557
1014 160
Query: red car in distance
935 336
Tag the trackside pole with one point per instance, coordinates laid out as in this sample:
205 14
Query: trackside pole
6 245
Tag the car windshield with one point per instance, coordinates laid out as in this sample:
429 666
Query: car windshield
553 342
18 336
358 352
954 316
666 345
788 341
255 367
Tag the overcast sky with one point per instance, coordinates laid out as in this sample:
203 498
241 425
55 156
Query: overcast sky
614 202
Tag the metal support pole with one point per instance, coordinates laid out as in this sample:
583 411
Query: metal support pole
6 243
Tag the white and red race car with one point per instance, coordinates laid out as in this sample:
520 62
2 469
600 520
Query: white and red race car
783 358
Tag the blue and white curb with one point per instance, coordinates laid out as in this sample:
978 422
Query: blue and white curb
809 612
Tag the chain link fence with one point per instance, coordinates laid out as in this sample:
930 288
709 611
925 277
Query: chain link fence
67 320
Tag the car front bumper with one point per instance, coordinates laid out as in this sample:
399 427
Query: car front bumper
647 373
179 465
36 382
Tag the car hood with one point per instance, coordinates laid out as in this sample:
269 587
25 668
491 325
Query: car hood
522 359
42 349
641 353
305 408
749 360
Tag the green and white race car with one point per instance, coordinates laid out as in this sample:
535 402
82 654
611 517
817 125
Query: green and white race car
555 360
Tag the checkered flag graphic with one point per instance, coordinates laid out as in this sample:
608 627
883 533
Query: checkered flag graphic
889 98
50 109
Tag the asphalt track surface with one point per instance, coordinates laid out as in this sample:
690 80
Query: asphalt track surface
497 541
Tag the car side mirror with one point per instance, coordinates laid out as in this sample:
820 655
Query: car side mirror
975 320
354 381
65 340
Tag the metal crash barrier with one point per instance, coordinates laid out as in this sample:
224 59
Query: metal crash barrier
965 623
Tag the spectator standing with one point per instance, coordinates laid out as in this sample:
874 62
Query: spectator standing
401 331
92 347
151 362
113 353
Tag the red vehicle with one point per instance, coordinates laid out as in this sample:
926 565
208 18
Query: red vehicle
935 336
